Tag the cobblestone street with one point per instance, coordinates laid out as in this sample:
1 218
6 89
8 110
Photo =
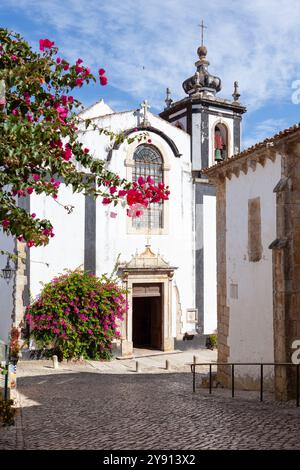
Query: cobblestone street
79 407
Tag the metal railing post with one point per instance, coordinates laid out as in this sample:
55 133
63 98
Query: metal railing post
6 373
261 382
194 377
297 385
210 379
232 380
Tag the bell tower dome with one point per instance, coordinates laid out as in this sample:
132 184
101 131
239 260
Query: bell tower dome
214 123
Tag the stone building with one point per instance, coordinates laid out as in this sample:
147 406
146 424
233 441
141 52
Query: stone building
167 256
258 259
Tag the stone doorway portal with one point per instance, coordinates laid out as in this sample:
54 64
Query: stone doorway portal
148 280
147 318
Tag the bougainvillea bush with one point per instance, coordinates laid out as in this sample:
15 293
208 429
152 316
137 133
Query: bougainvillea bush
77 314
39 146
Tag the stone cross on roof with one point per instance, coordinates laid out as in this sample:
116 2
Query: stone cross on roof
145 106
202 26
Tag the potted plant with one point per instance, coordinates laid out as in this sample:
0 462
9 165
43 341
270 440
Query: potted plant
14 347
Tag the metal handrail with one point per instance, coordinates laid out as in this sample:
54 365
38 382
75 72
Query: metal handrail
233 364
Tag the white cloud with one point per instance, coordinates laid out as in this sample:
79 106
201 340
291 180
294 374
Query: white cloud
264 129
147 45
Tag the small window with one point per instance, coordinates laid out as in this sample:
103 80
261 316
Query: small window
234 292
254 230
148 162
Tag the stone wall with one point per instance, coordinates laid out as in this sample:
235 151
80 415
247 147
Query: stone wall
286 270
223 310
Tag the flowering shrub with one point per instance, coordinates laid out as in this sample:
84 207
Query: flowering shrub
14 347
39 147
77 315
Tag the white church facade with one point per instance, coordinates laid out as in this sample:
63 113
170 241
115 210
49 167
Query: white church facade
167 257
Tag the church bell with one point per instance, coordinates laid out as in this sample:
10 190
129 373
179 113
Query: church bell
218 155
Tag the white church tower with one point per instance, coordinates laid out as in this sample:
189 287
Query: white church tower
214 125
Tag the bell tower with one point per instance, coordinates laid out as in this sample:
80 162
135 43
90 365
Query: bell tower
214 125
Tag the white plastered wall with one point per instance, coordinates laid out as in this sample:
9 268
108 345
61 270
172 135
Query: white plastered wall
66 249
251 313
209 264
6 289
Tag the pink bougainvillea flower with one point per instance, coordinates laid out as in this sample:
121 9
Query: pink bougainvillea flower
30 190
136 210
66 66
103 80
5 222
150 180
33 215
87 71
27 98
30 243
78 69
79 61
70 99
86 150
35 176
63 112
112 189
14 57
122 193
141 181
106 200
15 112
79 82
58 60
101 72
45 44
149 141
67 152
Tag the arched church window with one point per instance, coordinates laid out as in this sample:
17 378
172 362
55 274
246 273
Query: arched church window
148 162
220 142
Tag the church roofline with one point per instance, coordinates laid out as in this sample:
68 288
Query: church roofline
208 101
156 116
150 128
255 154
106 115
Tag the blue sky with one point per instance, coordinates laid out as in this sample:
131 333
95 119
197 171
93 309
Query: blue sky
147 45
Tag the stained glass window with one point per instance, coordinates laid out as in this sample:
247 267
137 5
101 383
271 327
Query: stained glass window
148 162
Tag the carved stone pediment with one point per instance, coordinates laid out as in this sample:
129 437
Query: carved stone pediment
146 260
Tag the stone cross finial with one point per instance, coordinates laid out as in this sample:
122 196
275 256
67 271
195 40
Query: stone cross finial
145 106
202 26
168 99
236 91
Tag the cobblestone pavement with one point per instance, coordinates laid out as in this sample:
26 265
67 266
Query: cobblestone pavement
80 407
